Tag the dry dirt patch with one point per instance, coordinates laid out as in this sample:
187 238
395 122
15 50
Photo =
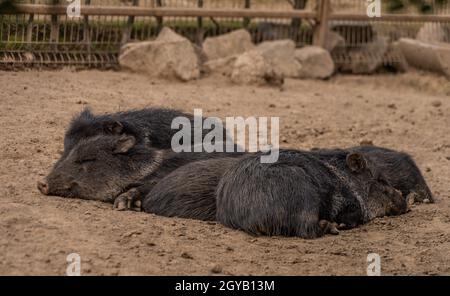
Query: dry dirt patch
37 232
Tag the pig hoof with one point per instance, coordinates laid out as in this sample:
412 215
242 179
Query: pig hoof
129 200
333 229
329 227
410 200
342 226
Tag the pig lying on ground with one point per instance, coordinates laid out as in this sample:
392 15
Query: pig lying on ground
398 169
115 168
304 195
149 128
195 183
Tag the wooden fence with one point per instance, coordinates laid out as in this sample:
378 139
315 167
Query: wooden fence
40 32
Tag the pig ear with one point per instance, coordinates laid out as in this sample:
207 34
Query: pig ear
113 127
124 144
356 162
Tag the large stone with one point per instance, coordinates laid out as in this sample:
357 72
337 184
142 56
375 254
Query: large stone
315 62
168 35
432 57
334 41
281 54
433 32
395 58
170 56
252 68
223 66
229 44
369 58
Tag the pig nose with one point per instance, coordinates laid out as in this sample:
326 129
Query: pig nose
43 187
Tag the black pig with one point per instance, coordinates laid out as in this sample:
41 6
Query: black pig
303 195
114 168
398 168
151 126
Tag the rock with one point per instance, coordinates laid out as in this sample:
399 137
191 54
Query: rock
369 57
432 57
334 41
436 103
392 106
281 54
186 255
216 269
229 44
432 32
395 57
366 143
252 68
170 56
315 62
222 66
168 35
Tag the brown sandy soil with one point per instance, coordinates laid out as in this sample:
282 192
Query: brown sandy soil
410 112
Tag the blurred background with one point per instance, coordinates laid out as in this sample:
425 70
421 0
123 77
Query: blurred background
33 35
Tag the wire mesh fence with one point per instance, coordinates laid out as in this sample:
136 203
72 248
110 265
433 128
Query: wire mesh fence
37 38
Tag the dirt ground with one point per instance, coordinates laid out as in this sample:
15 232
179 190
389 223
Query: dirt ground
409 112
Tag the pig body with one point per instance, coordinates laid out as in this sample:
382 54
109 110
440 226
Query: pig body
189 191
293 196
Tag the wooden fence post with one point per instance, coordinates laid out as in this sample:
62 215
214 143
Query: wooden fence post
159 19
54 29
86 34
247 5
126 34
321 30
29 36
200 31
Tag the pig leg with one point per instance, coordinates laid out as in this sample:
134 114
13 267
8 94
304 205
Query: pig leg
132 199
129 200
411 198
419 196
329 227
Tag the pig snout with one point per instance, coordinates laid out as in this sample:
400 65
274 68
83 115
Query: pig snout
43 187
57 187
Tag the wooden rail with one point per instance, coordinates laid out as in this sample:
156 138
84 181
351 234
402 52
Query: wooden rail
390 17
161 11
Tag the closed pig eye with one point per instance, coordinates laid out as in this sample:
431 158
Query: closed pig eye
85 160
